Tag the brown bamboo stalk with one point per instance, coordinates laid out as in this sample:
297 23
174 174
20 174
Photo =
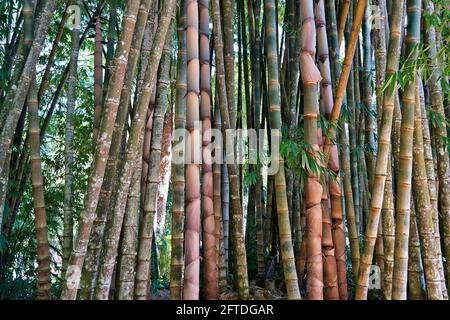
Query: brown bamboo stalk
344 10
192 168
43 249
98 78
209 242
313 189
15 98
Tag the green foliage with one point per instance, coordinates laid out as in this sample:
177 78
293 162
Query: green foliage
19 252
298 155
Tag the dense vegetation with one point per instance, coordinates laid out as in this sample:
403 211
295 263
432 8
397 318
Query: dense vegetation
350 103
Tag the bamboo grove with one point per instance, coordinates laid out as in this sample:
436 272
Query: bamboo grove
342 193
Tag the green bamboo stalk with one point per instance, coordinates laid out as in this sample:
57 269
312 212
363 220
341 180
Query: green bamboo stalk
69 156
404 174
227 15
237 216
382 153
439 133
193 202
15 98
178 179
416 280
425 213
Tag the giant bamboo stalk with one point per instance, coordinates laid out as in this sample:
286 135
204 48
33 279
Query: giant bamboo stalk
106 199
113 231
344 75
178 179
255 11
366 88
152 23
72 280
404 173
425 220
313 192
432 185
15 98
227 15
164 171
23 169
69 157
98 78
146 225
345 153
334 184
285 235
43 249
416 280
225 188
416 290
237 216
127 258
42 243
383 153
111 39
55 46
344 11
387 212
439 133
192 168
209 241
388 232
217 206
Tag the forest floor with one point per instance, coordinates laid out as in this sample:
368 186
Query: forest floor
256 293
